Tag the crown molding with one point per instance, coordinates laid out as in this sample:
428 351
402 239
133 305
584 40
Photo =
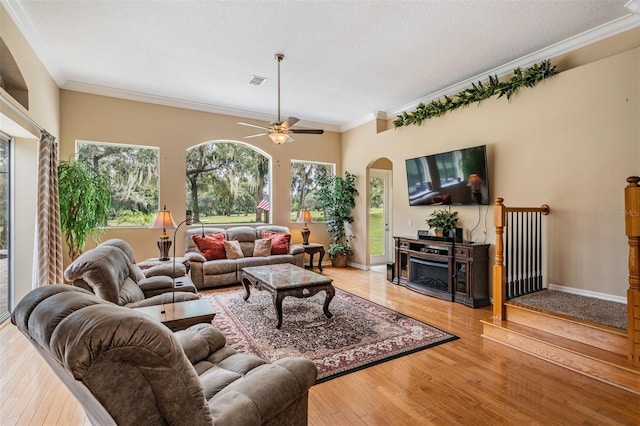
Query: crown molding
93 89
618 26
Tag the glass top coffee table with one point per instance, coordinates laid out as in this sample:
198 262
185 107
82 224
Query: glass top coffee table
284 280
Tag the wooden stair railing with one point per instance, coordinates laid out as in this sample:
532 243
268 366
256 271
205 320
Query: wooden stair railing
524 241
632 229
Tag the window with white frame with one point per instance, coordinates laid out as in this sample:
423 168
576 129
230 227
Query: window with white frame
304 187
133 172
228 182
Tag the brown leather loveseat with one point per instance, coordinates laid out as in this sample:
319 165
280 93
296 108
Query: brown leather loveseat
108 272
128 369
226 270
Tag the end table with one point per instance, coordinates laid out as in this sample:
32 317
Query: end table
311 249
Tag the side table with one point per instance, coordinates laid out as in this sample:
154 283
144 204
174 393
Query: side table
180 315
311 249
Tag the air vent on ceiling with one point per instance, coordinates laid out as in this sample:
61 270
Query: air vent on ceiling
257 80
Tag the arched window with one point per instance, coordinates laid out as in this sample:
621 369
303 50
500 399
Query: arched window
228 182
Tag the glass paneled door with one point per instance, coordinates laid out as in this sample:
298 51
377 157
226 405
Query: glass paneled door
379 235
5 288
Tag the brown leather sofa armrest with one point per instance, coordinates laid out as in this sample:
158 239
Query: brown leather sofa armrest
296 249
155 283
200 341
195 257
166 269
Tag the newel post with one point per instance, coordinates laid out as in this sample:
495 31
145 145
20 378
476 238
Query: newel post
632 229
499 273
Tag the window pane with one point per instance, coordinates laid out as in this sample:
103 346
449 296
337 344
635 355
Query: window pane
4 228
304 187
228 182
133 172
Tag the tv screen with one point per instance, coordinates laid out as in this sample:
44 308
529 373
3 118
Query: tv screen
457 177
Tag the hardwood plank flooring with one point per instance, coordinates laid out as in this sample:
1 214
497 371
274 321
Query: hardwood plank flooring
470 381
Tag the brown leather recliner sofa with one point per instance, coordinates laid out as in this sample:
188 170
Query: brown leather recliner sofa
108 272
127 369
220 272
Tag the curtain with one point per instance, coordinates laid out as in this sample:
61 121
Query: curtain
48 232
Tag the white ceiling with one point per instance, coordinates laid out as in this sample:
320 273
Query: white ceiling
344 60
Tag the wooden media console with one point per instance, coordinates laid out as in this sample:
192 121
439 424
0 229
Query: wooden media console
442 268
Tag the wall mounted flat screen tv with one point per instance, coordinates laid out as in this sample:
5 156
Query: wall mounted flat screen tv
458 177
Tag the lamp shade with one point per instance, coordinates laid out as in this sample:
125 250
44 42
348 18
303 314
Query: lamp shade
163 220
474 180
305 217
279 138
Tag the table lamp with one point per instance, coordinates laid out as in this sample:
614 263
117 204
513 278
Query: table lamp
163 221
305 216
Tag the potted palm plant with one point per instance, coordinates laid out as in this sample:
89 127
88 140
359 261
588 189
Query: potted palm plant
85 200
336 197
442 221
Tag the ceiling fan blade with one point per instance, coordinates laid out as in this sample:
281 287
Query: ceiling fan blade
307 131
252 125
290 122
255 136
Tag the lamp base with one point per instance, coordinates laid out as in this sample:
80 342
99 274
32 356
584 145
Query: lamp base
164 244
305 236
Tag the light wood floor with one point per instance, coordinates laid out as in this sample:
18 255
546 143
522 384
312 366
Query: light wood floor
470 381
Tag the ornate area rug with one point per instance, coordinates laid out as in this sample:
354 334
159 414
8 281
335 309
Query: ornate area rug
360 333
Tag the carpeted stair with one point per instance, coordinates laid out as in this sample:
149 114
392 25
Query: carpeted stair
596 350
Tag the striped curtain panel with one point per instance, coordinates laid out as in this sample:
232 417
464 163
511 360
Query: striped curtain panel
48 233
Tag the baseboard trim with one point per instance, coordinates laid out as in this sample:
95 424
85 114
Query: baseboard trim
588 293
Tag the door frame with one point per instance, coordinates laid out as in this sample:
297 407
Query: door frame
386 175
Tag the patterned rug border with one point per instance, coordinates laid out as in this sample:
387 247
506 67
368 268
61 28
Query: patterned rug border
362 302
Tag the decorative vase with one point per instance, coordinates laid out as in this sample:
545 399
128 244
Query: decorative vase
339 261
439 233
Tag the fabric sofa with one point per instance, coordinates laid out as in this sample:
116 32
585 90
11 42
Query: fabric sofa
125 368
108 272
208 272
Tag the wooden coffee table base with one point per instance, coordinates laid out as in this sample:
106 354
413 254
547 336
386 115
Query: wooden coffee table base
300 289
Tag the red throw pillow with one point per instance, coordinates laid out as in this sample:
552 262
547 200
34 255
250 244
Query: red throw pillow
211 246
279 241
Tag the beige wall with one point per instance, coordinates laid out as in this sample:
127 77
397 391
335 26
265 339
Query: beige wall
104 119
44 110
571 142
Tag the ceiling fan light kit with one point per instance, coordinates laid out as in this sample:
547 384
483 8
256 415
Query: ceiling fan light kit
280 131
279 138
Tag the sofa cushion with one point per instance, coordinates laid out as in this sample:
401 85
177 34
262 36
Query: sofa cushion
211 245
262 247
279 241
246 236
233 250
221 266
252 261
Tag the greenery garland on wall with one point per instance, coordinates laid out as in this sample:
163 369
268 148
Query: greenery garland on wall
479 92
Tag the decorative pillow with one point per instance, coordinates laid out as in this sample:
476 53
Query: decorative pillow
233 249
279 241
211 246
262 248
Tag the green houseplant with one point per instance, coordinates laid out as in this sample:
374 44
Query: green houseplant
442 221
336 197
85 200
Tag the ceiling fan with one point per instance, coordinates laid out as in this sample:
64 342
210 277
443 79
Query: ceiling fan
280 131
